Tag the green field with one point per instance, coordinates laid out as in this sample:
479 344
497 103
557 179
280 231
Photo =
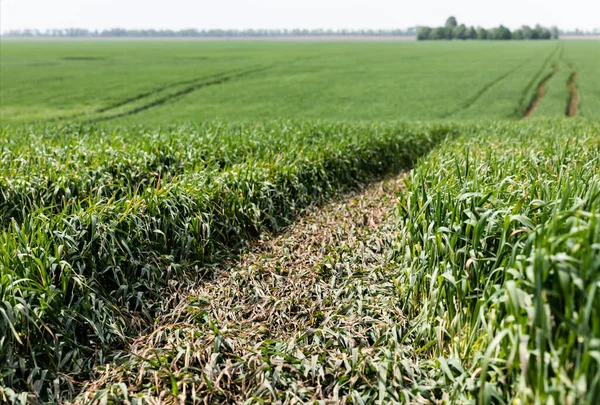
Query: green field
163 81
161 239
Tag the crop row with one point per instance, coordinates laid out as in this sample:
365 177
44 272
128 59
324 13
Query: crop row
499 237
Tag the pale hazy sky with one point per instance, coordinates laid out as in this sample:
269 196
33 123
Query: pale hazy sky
178 14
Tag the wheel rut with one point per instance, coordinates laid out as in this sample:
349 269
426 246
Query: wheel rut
573 102
472 100
108 112
328 274
518 112
539 94
177 94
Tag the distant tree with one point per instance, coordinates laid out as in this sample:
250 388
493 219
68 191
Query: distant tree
482 33
527 32
423 33
440 33
503 33
554 31
542 32
535 33
459 32
492 33
451 22
472 34
518 34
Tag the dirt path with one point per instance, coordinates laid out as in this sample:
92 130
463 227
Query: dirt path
541 91
278 323
573 104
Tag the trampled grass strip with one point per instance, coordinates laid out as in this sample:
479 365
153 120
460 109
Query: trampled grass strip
482 291
284 290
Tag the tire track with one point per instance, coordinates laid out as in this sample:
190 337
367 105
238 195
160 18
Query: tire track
179 94
532 82
485 88
285 289
143 95
196 84
219 79
573 103
157 90
539 94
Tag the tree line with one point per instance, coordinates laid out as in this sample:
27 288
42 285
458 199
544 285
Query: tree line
211 33
451 30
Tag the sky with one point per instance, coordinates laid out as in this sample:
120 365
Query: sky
334 14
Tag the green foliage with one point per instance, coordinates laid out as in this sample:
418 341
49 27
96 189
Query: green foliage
482 33
451 30
484 291
500 237
451 22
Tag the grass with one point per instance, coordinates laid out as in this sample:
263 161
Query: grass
499 236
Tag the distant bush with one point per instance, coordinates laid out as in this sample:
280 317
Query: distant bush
451 30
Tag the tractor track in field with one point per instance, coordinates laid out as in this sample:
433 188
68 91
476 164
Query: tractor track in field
485 88
197 83
539 94
157 90
573 102
535 79
179 94
146 94
284 289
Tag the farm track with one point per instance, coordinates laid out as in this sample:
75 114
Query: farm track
178 94
573 103
535 79
196 84
485 88
540 92
157 90
146 94
135 98
283 290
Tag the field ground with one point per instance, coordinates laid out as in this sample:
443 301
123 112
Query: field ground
262 222
153 82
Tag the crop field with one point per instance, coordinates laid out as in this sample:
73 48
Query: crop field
153 82
299 222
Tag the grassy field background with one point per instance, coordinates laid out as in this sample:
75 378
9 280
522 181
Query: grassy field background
154 82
